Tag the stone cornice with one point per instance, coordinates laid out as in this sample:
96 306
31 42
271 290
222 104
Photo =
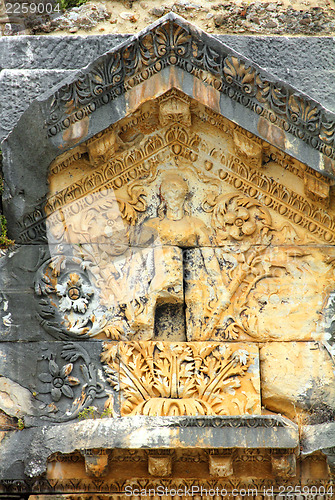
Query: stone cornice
171 41
142 432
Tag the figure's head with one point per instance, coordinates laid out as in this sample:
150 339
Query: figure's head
173 190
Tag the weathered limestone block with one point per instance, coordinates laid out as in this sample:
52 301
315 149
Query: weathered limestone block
18 267
197 378
32 64
15 400
19 87
273 293
159 465
318 437
55 52
298 380
221 466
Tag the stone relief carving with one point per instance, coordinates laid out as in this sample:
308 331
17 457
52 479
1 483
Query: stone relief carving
182 249
136 266
59 382
196 378
238 170
178 236
67 301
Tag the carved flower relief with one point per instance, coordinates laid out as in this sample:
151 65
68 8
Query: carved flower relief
239 223
74 294
236 216
66 300
58 381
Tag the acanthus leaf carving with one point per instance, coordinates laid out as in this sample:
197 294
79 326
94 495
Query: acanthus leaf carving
196 378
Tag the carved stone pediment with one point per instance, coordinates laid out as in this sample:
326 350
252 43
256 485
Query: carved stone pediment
176 225
194 220
177 247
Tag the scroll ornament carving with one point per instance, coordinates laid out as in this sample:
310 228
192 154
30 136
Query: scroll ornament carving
66 301
176 43
234 313
196 378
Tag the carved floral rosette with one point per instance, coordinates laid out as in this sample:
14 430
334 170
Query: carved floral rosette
67 302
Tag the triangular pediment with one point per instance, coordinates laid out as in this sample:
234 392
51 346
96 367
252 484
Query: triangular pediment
213 73
175 132
170 53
